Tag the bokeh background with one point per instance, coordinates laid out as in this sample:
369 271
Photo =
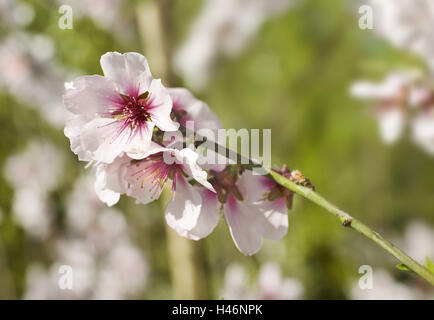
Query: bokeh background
284 65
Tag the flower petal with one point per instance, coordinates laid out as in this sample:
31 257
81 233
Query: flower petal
275 215
110 180
161 106
244 225
129 70
141 186
98 139
189 158
90 95
208 217
182 213
196 110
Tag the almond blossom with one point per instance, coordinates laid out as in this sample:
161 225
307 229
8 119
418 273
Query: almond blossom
144 179
423 130
116 112
391 96
251 205
187 107
223 27
407 24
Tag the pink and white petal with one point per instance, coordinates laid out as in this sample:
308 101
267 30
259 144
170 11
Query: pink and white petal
196 110
189 158
253 187
182 213
100 137
109 197
112 176
140 152
90 95
244 225
275 214
182 98
209 215
141 187
129 70
161 106
72 131
140 144
391 123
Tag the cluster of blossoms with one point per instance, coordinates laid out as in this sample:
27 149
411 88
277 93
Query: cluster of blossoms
96 242
31 205
401 98
222 28
407 24
31 75
270 284
116 120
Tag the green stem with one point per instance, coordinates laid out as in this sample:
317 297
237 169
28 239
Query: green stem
348 221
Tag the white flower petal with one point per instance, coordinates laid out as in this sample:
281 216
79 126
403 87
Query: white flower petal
129 70
244 225
110 180
182 213
90 95
97 140
209 215
275 215
391 123
161 107
196 110
189 158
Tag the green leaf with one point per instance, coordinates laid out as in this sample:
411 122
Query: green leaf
403 267
429 265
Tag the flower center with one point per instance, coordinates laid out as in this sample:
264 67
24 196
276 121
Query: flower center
134 111
225 183
155 169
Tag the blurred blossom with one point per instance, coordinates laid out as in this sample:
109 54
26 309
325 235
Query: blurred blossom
270 284
31 206
87 216
38 167
42 284
423 130
401 98
418 241
105 263
16 13
407 24
29 73
32 211
123 275
107 14
81 256
222 27
384 288
236 283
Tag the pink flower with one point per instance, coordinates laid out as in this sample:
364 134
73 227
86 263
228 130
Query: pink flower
144 180
117 112
250 212
188 108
